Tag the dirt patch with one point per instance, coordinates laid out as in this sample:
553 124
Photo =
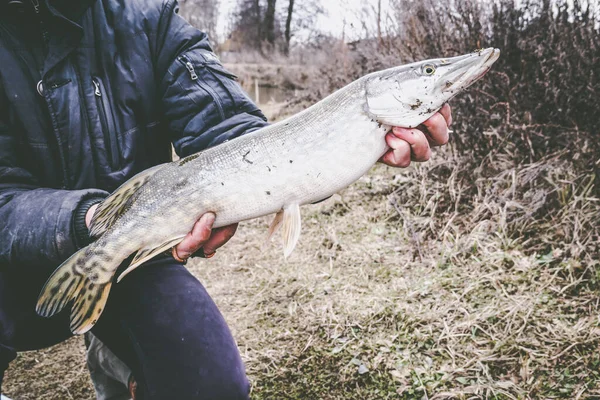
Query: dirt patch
58 372
369 306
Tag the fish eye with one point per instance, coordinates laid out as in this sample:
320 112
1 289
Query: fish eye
428 69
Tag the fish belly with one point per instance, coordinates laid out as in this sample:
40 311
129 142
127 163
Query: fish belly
267 177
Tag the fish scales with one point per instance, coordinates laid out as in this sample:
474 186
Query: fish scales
276 169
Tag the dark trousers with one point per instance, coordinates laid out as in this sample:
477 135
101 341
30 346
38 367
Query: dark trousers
162 323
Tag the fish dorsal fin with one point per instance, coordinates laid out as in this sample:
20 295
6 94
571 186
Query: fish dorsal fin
117 203
146 254
290 228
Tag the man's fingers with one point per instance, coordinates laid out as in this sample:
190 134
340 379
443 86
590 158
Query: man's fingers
399 155
437 129
446 112
419 144
199 235
219 237
90 214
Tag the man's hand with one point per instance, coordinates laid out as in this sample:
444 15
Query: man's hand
89 214
202 236
408 145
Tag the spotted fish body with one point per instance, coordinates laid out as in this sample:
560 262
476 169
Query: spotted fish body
301 160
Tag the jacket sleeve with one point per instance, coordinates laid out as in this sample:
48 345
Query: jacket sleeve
202 102
36 224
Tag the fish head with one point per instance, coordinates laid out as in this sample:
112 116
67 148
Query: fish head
408 95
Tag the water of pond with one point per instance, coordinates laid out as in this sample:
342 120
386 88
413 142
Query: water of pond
267 94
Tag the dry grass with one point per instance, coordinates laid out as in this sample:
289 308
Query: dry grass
55 373
476 275
369 307
404 286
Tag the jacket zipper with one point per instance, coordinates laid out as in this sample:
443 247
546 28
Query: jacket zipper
61 151
36 8
215 71
194 77
107 122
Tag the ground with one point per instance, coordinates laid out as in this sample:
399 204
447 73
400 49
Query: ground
424 283
364 309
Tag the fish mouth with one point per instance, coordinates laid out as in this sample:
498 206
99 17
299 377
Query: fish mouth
468 69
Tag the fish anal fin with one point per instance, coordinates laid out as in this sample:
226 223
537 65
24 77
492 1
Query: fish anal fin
290 228
118 202
146 254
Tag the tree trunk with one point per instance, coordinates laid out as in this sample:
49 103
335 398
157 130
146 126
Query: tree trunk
288 27
379 38
258 21
269 22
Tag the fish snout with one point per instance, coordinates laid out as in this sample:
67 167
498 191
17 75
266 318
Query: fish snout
468 69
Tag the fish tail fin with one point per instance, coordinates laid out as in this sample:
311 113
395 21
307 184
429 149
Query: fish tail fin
62 286
88 306
77 279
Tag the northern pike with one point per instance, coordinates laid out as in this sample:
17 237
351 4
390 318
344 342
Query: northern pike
301 160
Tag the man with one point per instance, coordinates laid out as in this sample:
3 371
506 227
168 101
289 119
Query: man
91 93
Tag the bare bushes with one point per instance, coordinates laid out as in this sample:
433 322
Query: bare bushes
481 279
545 82
526 139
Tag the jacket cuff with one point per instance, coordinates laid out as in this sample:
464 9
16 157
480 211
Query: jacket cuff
82 233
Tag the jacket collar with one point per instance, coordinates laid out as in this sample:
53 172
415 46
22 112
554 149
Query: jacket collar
67 29
69 11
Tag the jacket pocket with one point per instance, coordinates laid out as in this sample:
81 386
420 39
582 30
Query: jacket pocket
194 72
217 69
107 123
226 81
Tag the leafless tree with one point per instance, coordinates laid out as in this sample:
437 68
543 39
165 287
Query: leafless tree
268 26
203 14
288 27
269 23
300 22
246 24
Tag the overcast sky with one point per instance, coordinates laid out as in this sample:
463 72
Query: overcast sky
340 15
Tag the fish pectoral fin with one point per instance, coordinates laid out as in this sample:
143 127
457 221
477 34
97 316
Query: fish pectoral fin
117 203
144 255
291 225
275 225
